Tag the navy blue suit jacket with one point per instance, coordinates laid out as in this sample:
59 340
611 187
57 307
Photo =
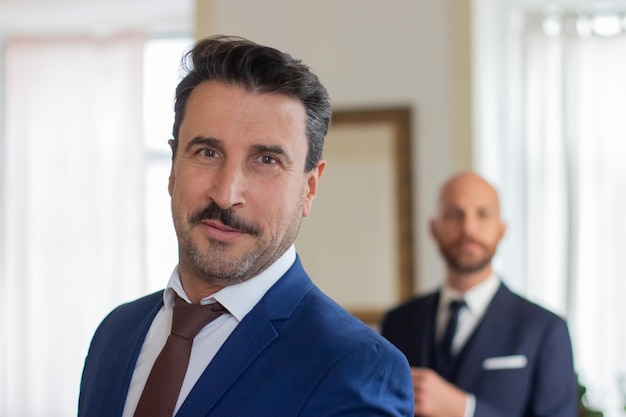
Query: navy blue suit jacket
517 363
297 353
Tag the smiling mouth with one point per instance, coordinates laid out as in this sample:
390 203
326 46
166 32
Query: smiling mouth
469 245
218 231
220 226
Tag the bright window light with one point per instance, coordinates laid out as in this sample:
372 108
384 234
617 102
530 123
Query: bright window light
606 24
552 25
161 75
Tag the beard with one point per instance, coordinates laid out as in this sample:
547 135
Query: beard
218 265
455 260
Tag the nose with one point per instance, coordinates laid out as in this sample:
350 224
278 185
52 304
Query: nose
470 226
227 186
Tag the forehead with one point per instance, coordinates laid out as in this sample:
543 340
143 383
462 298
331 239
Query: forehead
218 110
469 192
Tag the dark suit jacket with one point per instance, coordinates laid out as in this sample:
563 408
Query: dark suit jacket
297 353
517 363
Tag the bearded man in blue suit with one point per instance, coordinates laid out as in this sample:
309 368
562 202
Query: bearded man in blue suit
500 355
249 127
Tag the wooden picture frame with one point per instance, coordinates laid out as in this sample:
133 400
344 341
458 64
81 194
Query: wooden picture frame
357 244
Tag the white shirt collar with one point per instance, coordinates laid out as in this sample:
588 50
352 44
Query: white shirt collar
477 299
240 298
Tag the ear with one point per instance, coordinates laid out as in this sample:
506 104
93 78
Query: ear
312 183
170 184
502 230
432 226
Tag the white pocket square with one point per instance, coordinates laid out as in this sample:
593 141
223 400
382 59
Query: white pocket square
505 362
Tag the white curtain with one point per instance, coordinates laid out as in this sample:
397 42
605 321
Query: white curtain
595 115
560 144
71 225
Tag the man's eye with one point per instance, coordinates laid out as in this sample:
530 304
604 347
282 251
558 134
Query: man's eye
266 159
208 153
453 215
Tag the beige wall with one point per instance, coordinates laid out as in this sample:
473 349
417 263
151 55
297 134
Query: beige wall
371 53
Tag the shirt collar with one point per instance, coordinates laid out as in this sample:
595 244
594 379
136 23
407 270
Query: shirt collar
239 298
477 299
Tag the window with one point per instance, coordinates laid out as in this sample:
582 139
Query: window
84 220
161 64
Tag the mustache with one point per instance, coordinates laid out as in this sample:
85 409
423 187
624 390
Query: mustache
225 216
464 240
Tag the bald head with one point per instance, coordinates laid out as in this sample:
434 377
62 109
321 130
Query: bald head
465 186
467 228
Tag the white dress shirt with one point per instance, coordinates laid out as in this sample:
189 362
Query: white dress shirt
477 300
238 299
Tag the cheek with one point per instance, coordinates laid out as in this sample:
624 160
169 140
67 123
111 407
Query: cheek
277 200
449 233
187 190
493 233
495 237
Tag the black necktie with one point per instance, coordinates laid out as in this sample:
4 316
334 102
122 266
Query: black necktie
160 394
446 343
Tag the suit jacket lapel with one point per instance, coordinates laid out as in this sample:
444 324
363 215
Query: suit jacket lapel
236 354
418 316
428 333
122 365
469 362
249 339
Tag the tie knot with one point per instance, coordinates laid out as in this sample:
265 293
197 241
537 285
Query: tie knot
456 306
188 319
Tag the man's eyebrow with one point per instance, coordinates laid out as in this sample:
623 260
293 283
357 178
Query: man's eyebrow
202 140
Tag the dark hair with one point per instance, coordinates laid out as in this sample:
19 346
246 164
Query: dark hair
260 69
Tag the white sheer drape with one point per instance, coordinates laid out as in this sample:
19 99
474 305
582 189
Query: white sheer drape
594 132
71 223
560 144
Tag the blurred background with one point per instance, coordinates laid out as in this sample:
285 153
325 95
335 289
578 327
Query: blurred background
529 93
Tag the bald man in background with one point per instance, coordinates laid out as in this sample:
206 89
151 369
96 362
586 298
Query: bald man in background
502 356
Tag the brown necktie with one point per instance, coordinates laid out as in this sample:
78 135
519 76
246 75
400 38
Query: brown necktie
166 377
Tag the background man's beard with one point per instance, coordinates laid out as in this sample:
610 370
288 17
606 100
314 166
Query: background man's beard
465 268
